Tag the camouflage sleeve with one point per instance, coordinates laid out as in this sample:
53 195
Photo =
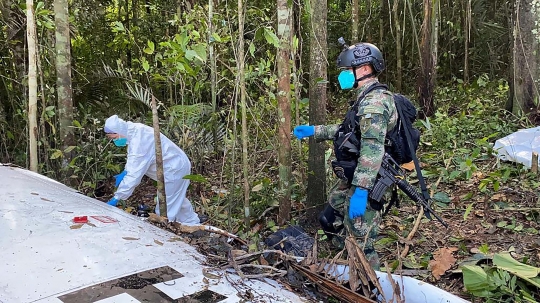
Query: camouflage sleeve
325 132
374 118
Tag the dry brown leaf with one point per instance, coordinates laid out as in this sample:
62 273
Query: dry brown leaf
442 261
158 242
76 226
35 194
130 238
157 219
47 200
174 239
91 224
498 197
263 261
237 253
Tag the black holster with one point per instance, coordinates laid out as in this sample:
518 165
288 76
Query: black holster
344 169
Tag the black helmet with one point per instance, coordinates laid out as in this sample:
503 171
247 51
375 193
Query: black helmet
361 54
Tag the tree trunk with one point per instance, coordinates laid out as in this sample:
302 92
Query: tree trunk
63 81
467 19
526 59
162 195
354 21
399 73
426 80
242 82
32 85
213 71
297 72
284 34
316 191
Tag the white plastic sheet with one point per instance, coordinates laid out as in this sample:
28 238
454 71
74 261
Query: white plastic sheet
519 146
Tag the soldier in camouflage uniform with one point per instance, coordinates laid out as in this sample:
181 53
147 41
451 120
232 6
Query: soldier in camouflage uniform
361 64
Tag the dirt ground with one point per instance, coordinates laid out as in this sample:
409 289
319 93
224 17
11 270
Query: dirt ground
486 225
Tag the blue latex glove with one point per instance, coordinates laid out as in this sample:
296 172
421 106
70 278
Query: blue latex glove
119 178
303 131
113 201
358 203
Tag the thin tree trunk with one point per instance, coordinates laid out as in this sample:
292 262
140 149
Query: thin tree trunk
526 60
162 197
32 85
427 73
284 34
316 191
468 17
399 72
297 71
213 70
63 81
242 82
354 21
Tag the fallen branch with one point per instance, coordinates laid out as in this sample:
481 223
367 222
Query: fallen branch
395 288
193 228
278 272
420 216
331 288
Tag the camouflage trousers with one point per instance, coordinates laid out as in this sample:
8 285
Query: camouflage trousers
365 229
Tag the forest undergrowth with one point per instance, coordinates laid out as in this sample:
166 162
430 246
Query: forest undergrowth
492 207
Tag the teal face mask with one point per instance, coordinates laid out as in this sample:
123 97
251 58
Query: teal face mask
120 142
346 79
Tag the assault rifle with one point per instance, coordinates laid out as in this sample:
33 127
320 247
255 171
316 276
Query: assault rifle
391 173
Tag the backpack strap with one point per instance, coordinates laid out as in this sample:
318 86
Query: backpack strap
415 159
369 89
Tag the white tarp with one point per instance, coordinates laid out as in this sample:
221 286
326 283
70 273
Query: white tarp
519 146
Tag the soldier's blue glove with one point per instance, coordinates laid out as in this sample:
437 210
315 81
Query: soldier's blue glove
119 178
303 131
358 203
113 201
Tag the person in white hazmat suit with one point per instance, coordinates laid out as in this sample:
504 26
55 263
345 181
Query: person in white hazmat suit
141 160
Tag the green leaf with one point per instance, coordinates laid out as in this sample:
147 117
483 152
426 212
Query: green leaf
216 37
506 262
257 187
475 280
145 64
271 37
196 178
118 27
252 49
191 54
442 197
57 154
69 149
151 46
200 50
467 211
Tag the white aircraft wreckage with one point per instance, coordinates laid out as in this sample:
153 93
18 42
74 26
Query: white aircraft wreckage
59 246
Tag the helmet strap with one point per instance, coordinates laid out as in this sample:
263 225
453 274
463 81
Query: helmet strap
355 85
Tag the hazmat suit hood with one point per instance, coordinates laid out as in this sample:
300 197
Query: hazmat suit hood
116 125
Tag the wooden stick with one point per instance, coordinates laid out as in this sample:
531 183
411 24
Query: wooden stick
534 163
193 228
420 216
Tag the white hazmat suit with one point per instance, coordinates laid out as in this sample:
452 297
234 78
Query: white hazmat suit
141 160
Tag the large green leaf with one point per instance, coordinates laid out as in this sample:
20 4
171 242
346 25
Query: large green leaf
506 262
475 279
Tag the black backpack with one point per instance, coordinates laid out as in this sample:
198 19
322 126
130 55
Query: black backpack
397 144
347 138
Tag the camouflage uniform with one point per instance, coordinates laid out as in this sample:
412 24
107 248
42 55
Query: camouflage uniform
377 115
